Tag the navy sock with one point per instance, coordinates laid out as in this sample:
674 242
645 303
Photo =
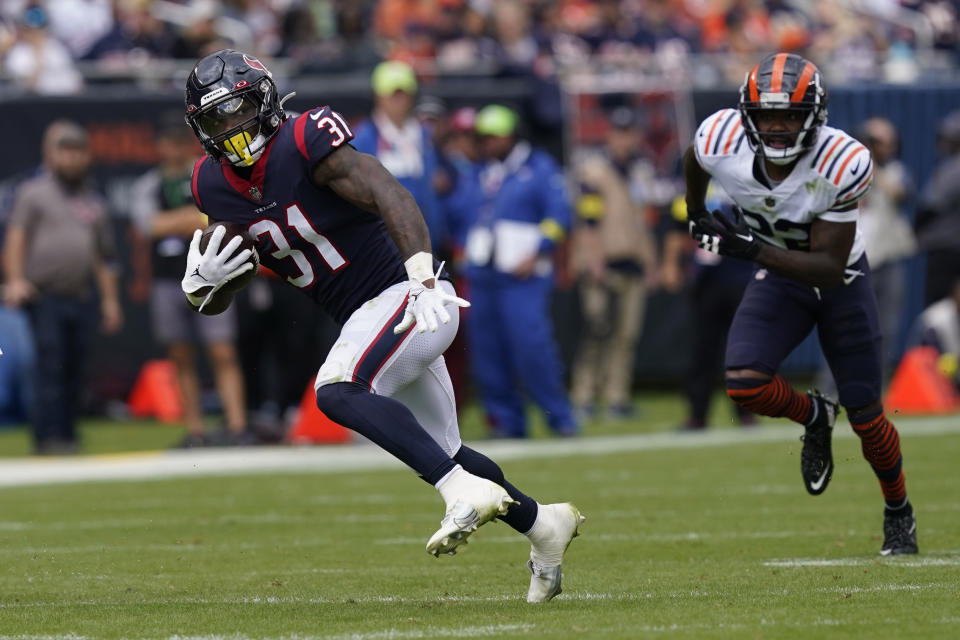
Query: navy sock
519 516
388 424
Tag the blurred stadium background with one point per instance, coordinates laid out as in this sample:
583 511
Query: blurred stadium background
565 65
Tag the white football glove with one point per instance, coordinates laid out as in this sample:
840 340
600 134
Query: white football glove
213 268
425 306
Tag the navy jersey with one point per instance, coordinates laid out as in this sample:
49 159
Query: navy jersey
338 254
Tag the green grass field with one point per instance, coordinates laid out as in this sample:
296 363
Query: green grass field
695 537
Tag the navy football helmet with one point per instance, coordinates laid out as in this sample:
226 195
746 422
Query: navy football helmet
783 81
233 106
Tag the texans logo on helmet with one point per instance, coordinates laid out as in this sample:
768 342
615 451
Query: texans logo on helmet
254 63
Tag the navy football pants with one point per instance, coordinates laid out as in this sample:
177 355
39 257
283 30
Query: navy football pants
777 313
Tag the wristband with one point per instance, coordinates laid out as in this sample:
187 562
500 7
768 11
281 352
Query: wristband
419 266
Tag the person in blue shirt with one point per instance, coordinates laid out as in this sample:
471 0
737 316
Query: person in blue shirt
399 140
521 212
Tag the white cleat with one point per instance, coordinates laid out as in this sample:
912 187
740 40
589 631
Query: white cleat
556 526
472 501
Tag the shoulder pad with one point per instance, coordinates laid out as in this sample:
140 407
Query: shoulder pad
846 164
320 131
719 134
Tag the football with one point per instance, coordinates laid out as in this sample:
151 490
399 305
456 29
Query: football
246 243
224 296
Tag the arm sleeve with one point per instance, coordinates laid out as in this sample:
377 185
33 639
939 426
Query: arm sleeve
319 132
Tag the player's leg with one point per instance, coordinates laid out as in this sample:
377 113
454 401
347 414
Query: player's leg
366 365
533 351
490 362
850 335
550 527
775 315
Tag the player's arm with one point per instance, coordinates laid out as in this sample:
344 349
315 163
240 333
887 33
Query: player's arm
823 266
360 179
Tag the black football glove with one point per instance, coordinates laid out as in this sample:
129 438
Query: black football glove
705 229
716 234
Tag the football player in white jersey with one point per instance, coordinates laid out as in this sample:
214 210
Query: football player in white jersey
795 183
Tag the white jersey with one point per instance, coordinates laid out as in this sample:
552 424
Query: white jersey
832 175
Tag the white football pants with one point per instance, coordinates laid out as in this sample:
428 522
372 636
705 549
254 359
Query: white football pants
408 368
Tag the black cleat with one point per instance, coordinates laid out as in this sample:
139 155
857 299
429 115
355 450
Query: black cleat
816 458
899 534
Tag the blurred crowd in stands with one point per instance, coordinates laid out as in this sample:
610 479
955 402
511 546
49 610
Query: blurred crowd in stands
621 233
55 46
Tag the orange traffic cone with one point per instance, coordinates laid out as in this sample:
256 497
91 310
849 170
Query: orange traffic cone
313 427
156 392
918 386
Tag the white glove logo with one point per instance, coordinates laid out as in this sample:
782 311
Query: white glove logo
425 306
213 268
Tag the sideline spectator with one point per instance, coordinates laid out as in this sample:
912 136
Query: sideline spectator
58 243
938 215
162 208
615 259
397 138
523 211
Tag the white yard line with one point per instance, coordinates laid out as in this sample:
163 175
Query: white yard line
16 472
913 561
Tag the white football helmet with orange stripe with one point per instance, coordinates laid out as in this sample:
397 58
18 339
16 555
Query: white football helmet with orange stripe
783 81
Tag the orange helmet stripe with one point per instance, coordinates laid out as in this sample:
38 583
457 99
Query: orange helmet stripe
752 84
776 79
803 82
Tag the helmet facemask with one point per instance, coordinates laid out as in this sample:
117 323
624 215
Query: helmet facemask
233 107
788 86
233 125
781 147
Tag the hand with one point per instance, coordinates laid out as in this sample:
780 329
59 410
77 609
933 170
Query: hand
207 272
111 316
17 292
425 306
716 234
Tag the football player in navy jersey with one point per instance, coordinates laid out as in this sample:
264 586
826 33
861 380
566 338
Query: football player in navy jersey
796 183
334 223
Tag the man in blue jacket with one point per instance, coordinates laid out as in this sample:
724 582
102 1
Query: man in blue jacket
522 210
399 141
